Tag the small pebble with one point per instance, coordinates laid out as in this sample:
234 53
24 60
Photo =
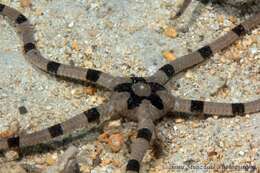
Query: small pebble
220 19
25 3
15 126
211 152
11 168
7 133
233 19
195 124
241 153
105 162
179 120
22 110
48 108
67 162
247 116
85 168
77 92
114 124
11 155
75 45
51 159
89 90
116 163
104 137
189 75
168 55
170 32
88 51
71 25
115 142
253 50
39 160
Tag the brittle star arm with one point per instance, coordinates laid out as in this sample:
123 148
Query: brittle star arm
33 55
215 108
140 144
87 119
146 114
183 7
166 72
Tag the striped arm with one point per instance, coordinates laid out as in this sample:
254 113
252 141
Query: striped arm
88 119
166 72
25 30
215 108
140 145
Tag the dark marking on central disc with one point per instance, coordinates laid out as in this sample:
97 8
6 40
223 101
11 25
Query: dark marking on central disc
21 19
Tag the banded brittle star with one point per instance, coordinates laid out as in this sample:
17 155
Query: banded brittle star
142 99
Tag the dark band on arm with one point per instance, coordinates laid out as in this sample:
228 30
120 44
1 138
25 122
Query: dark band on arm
144 133
238 109
29 46
93 75
55 130
168 70
53 67
13 142
92 115
133 165
197 106
178 14
2 6
20 19
156 101
205 52
239 30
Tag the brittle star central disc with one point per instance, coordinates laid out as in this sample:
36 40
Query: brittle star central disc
139 89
